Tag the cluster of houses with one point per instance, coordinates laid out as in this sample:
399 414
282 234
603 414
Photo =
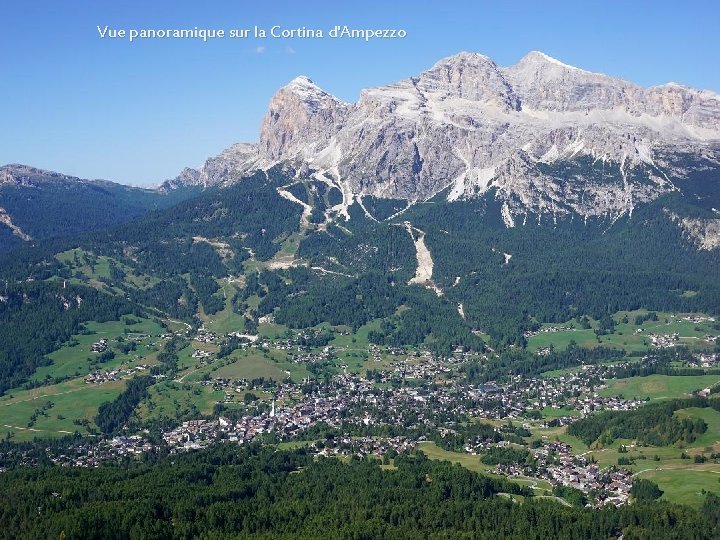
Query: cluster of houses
303 357
425 368
606 486
547 330
94 453
664 340
192 435
101 377
696 319
205 336
352 400
247 338
709 360
574 391
99 346
555 462
198 353
419 392
377 352
285 423
364 446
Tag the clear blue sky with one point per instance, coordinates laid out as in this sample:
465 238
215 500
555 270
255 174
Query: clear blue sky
138 112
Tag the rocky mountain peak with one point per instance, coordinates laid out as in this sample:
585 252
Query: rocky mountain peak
187 177
301 117
304 91
540 60
304 87
469 76
550 85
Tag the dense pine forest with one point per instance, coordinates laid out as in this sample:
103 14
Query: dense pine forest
55 207
255 492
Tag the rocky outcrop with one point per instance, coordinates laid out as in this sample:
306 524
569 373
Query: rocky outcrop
300 121
705 233
187 177
6 220
24 175
227 166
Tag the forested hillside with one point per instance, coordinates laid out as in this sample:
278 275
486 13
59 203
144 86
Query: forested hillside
250 492
488 278
60 208
37 317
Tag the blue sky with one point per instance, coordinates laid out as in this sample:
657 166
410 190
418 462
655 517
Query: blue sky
138 112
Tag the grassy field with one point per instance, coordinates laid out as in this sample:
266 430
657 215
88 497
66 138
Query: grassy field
293 445
555 373
552 412
473 463
351 349
72 360
685 486
560 340
57 406
185 359
559 434
288 249
252 364
357 340
626 336
251 367
658 386
72 400
78 261
170 399
272 330
225 321
712 419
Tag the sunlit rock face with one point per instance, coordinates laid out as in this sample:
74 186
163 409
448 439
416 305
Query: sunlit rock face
467 126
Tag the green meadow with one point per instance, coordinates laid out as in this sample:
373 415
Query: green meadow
627 335
251 366
174 400
685 486
656 387
71 400
71 359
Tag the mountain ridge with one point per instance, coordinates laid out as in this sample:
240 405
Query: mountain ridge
470 125
37 204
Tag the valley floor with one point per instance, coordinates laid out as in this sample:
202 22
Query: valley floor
269 388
